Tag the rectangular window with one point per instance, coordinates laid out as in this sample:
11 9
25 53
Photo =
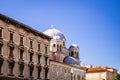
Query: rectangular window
0 33
11 36
21 40
78 77
46 60
38 58
21 54
31 44
0 49
38 47
46 49
11 53
31 57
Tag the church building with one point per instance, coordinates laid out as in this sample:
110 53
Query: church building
64 63
27 54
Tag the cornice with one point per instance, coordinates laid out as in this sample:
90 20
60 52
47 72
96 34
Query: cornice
17 24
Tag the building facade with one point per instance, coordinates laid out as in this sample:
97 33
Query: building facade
64 62
62 71
100 73
27 54
58 50
24 52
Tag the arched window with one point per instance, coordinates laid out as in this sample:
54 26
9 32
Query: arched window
78 77
63 43
75 54
60 47
57 47
72 53
53 45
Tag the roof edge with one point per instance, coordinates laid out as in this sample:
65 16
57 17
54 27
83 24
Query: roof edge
26 27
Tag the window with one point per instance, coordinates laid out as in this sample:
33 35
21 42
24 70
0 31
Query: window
46 61
31 71
72 53
0 49
63 43
38 47
53 45
46 49
31 57
60 47
21 40
75 54
11 36
57 47
38 58
31 44
11 52
0 33
65 71
74 77
1 60
78 77
21 54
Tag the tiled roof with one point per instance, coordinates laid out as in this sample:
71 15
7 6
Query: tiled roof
82 67
97 69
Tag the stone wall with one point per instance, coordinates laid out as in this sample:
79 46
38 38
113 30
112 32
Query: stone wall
15 52
62 71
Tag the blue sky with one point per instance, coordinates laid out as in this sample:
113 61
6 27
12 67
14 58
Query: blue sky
92 24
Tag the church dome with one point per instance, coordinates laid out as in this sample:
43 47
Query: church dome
56 37
74 46
55 34
70 60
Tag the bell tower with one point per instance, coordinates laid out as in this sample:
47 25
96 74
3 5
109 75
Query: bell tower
74 52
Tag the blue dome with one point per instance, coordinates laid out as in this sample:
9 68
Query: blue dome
70 60
74 46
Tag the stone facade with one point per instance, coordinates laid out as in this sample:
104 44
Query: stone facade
24 52
58 48
64 62
101 73
27 54
62 71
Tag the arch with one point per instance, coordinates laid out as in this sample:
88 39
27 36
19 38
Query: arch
57 47
72 53
60 47
53 45
75 55
63 43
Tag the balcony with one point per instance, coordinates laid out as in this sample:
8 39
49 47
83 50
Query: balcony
1 41
31 51
39 53
11 44
46 55
21 47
